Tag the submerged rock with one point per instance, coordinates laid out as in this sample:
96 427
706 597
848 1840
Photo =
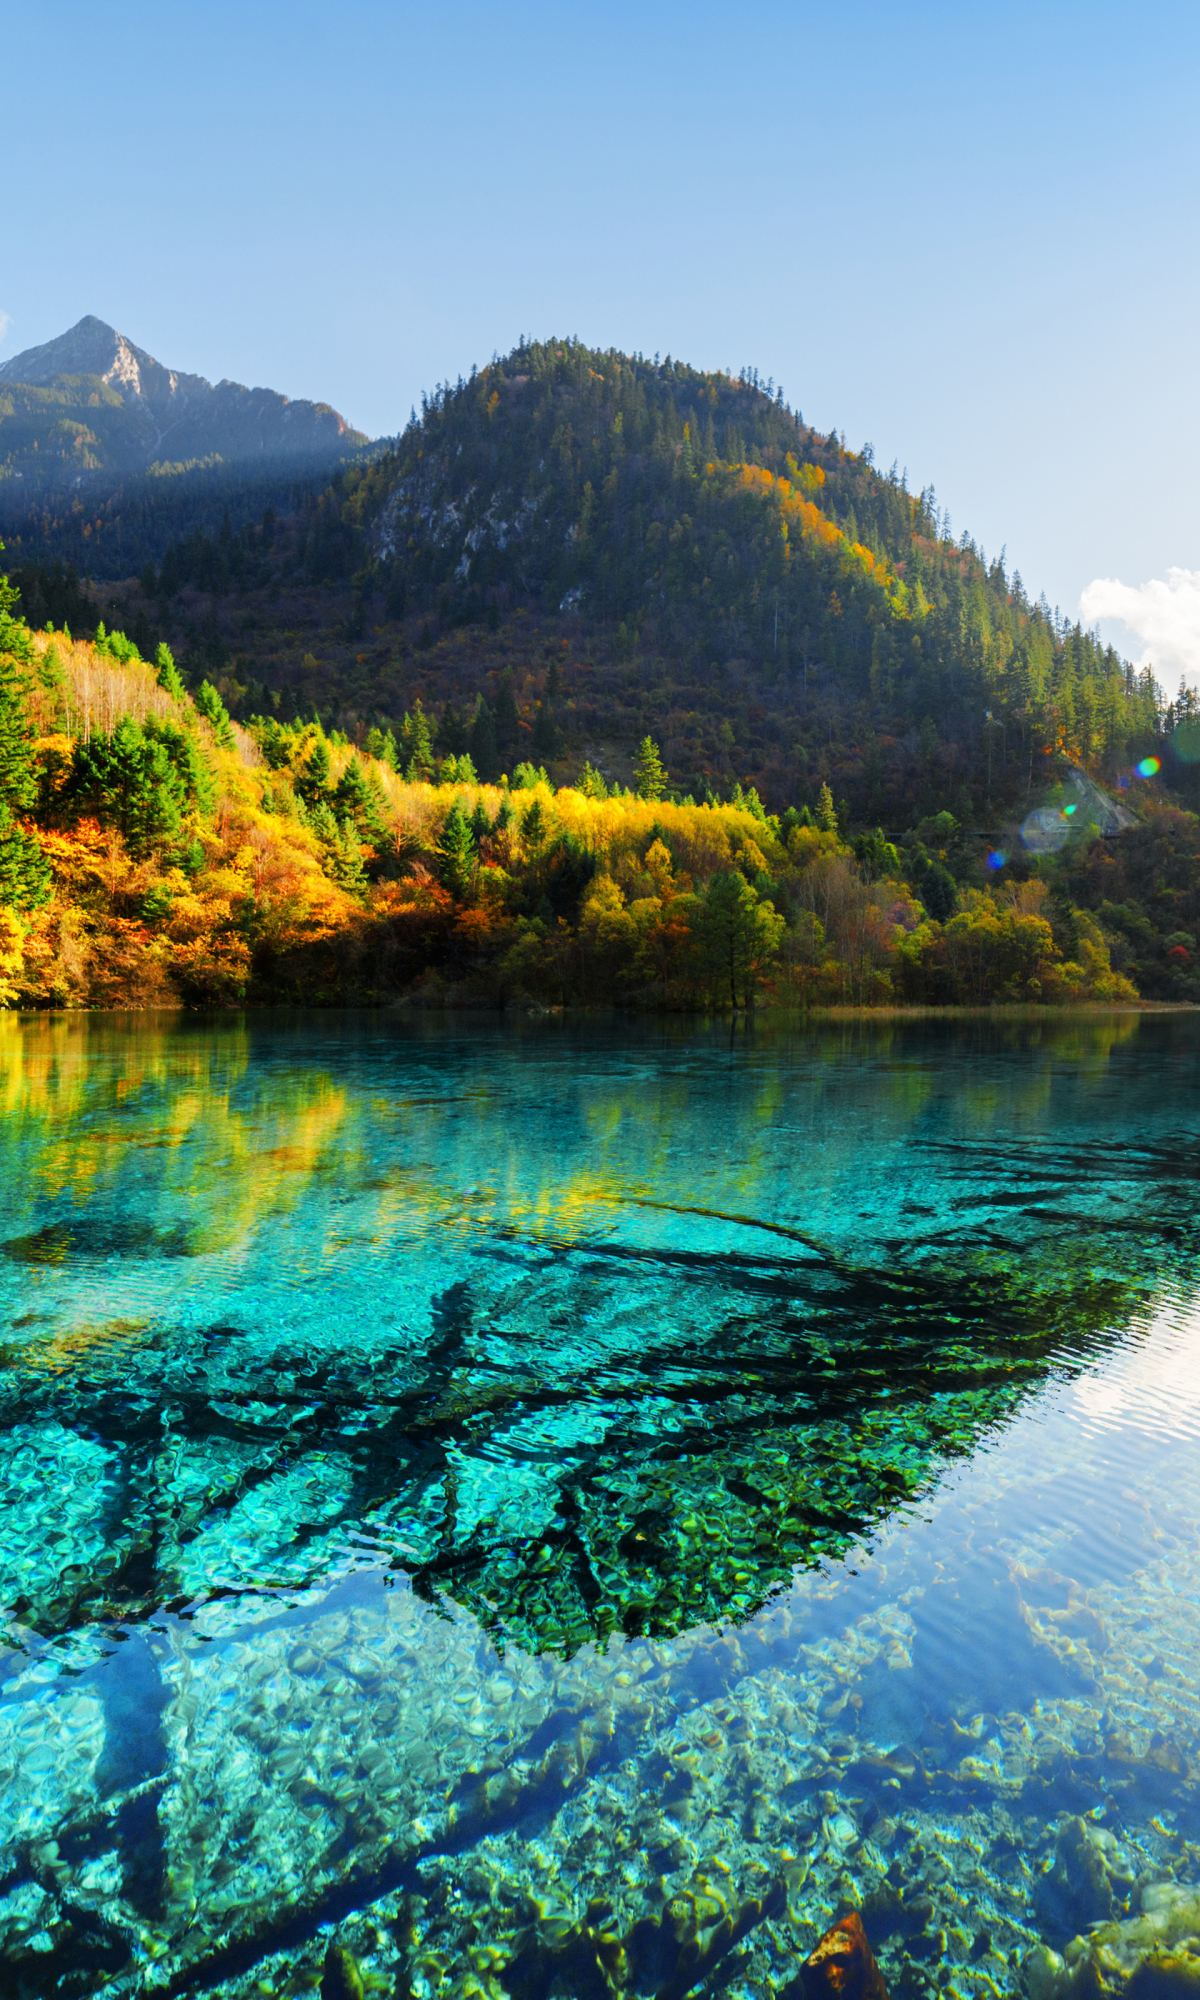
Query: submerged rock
1091 1879
1143 1957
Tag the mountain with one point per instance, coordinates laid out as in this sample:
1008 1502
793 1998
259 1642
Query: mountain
91 407
575 548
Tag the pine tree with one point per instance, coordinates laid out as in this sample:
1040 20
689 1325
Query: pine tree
346 857
25 878
129 780
416 745
826 813
18 780
507 720
533 826
356 797
168 673
456 852
545 731
212 708
313 782
481 744
650 777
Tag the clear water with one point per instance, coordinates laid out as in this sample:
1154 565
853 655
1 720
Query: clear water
560 1512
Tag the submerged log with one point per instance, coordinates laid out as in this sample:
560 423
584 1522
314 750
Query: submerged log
842 1964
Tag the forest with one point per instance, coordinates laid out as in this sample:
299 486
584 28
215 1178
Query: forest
156 852
619 547
609 680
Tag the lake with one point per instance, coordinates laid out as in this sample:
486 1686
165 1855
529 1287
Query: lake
565 1510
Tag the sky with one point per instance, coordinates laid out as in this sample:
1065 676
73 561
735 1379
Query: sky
965 233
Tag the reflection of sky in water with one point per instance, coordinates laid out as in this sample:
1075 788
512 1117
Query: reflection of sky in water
532 1467
1153 1385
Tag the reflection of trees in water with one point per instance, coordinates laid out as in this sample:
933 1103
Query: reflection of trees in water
608 1423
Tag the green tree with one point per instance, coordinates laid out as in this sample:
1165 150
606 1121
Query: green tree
456 852
416 745
130 781
545 732
168 673
481 744
826 814
312 782
939 892
739 936
18 778
356 797
345 857
212 708
507 720
25 878
650 778
533 826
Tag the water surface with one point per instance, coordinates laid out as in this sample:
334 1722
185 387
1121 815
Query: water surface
561 1511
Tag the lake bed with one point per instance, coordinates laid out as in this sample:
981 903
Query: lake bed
554 1510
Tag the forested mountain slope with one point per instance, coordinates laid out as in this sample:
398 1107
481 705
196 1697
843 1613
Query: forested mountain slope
574 549
154 853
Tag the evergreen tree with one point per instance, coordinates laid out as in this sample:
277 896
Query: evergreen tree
453 730
533 826
481 744
416 745
18 779
313 781
739 936
168 673
650 778
939 892
456 852
345 857
507 720
25 878
545 732
356 797
826 814
212 708
128 780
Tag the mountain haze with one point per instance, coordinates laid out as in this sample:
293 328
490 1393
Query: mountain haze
91 406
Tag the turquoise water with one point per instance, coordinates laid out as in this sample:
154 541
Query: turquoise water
562 1511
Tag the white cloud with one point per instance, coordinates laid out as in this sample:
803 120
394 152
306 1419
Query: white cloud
5 323
1164 614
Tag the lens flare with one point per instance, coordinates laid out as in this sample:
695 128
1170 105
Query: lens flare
996 857
1045 830
1149 767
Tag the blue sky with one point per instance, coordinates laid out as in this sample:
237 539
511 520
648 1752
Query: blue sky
965 233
